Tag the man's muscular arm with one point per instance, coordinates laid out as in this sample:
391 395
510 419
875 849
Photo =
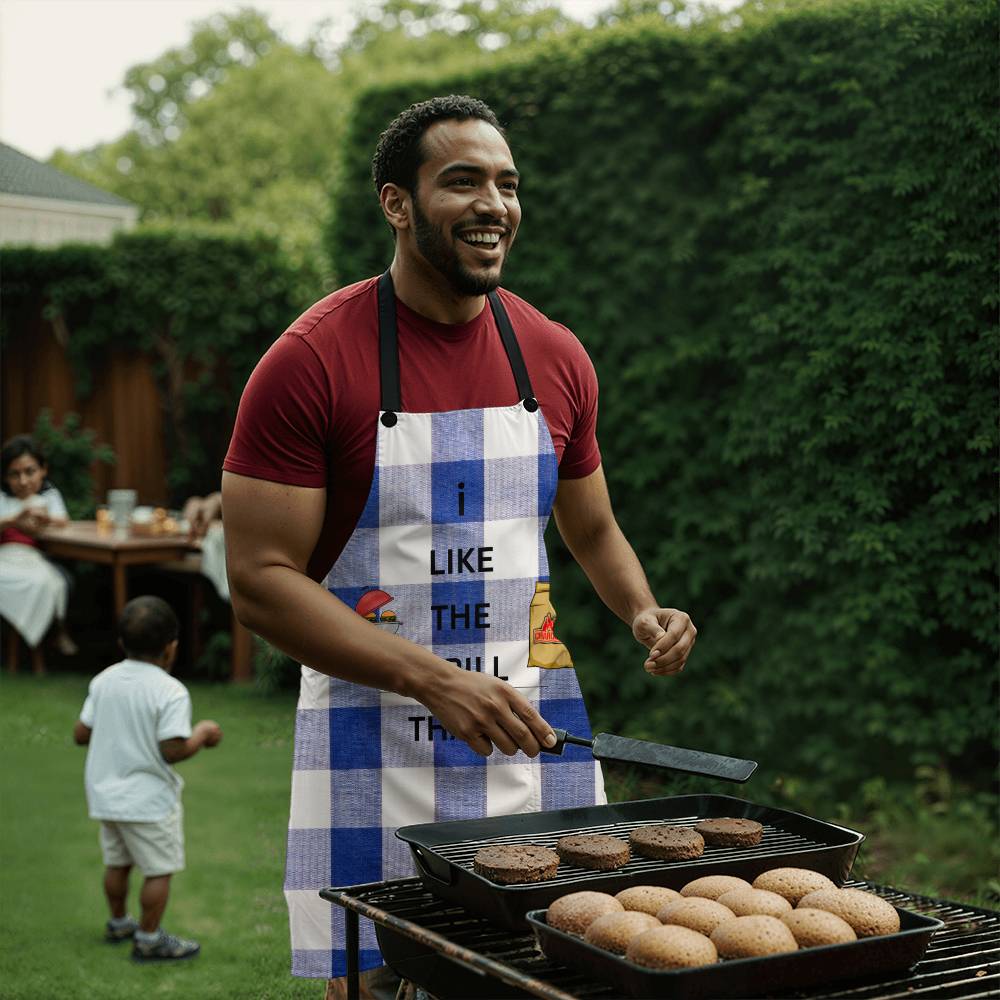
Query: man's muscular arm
587 524
271 530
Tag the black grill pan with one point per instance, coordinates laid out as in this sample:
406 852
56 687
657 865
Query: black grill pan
443 852
746 977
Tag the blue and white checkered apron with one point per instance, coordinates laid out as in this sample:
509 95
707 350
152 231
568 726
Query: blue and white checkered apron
448 553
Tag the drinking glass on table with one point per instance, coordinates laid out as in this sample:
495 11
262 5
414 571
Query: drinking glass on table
121 503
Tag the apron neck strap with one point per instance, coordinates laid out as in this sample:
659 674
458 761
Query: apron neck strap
388 349
513 349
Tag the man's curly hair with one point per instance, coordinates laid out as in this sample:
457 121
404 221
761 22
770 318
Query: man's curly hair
399 152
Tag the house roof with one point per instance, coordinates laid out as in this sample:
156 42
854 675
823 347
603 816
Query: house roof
20 174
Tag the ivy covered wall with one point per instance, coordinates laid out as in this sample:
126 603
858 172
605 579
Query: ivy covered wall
777 242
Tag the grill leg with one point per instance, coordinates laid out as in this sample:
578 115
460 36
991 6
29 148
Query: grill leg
351 941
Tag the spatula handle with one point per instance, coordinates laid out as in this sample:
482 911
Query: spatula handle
562 738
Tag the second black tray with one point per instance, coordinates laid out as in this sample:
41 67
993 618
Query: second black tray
746 977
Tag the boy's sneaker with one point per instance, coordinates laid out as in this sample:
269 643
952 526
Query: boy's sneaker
118 931
165 948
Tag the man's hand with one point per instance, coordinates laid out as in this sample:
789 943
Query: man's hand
669 636
588 526
486 712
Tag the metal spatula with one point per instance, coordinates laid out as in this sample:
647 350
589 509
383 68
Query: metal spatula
605 746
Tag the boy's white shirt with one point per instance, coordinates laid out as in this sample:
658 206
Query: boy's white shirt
50 498
131 707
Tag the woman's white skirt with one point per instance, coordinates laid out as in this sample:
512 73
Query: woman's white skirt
32 591
213 559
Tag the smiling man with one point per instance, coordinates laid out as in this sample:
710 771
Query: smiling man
396 457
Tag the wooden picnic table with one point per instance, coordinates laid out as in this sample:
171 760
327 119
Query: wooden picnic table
85 541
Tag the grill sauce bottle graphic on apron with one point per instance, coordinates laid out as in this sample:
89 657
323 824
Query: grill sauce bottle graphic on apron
544 649
448 553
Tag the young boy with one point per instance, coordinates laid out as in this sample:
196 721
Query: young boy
137 722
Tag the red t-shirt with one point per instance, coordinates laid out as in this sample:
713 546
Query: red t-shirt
309 412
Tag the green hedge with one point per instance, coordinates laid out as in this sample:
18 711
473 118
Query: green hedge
202 306
776 238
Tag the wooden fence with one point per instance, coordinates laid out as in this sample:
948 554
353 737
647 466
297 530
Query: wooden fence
124 408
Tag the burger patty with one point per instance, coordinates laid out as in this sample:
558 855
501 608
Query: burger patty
668 843
729 832
593 850
510 864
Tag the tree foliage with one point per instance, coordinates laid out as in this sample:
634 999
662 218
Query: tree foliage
240 127
776 237
461 27
164 90
237 127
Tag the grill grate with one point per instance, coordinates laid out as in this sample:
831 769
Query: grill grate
776 842
963 960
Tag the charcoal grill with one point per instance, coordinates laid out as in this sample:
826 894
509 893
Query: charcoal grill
457 955
443 852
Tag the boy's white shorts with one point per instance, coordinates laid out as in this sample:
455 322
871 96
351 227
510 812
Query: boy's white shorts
155 848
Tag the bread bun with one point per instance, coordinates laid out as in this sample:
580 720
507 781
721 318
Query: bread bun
748 902
713 886
753 937
575 912
792 883
671 948
701 915
614 931
869 915
647 898
813 928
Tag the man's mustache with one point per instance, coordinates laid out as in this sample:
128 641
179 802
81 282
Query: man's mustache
484 222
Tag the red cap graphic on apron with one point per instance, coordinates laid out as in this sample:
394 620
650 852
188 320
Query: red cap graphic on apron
372 607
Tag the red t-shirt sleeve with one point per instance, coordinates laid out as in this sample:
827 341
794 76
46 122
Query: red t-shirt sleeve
282 423
582 454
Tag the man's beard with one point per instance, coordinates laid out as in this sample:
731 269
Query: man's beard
444 258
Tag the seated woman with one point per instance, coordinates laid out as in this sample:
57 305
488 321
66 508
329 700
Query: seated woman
33 591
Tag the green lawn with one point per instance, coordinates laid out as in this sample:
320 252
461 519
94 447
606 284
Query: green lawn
934 840
53 911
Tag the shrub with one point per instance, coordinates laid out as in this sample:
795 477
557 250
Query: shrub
71 453
273 670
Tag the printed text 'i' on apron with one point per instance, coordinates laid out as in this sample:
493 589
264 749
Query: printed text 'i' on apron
448 553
